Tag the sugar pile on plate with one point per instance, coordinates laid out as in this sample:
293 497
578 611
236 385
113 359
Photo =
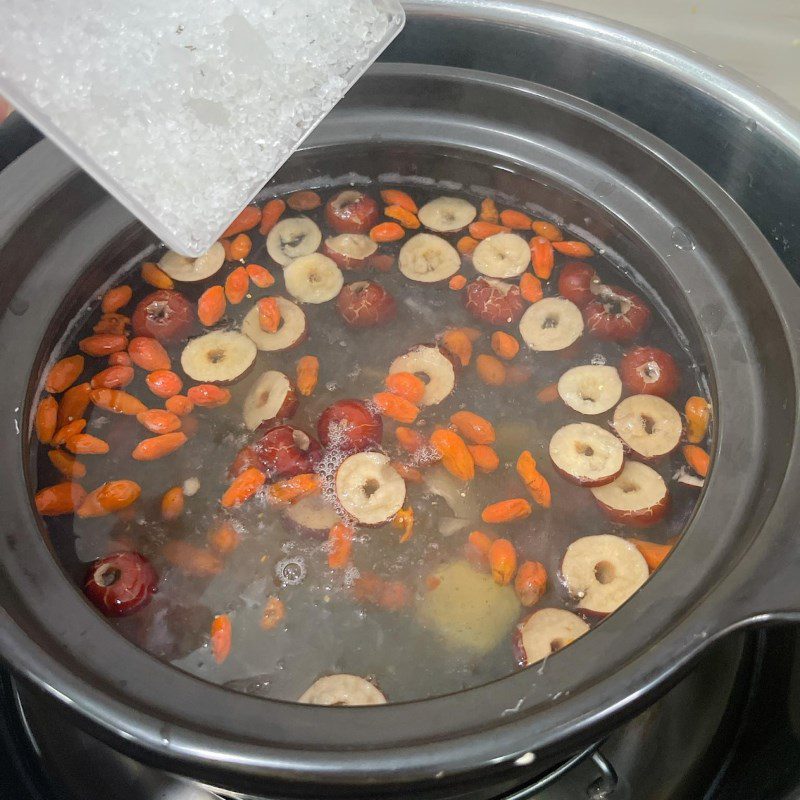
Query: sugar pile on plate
183 109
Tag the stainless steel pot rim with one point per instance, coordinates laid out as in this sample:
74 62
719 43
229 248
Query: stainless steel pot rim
510 737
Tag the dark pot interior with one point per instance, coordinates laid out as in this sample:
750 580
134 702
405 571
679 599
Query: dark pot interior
693 248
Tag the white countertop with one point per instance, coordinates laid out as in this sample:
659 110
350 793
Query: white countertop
760 38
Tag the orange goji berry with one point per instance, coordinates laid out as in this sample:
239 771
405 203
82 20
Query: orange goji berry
191 559
274 612
237 285
516 220
409 439
148 353
207 395
211 306
396 197
535 482
456 457
84 444
697 458
67 431
406 385
240 248
224 538
491 370
74 403
67 464
270 215
247 218
260 276
180 405
466 245
303 201
307 375
226 247
480 541
117 401
63 374
542 257
486 459
489 211
46 419
530 287
109 497
340 545
61 498
158 420
405 217
457 343
698 415
112 323
549 394
153 275
398 408
172 503
407 472
530 583
457 283
574 249
112 378
221 637
504 345
115 299
654 554
547 229
120 359
506 511
367 587
517 374
293 489
502 561
394 596
102 344
158 446
483 230
387 232
244 486
269 315
163 383
476 429
404 520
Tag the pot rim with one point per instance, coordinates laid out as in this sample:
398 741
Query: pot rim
470 747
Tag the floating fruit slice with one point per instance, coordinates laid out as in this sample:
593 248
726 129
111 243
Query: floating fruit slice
648 370
292 238
434 366
165 315
351 211
504 255
590 389
349 425
313 278
342 690
616 315
271 397
291 332
427 259
369 488
638 497
218 357
546 632
586 454
603 572
350 250
365 304
121 583
313 516
648 425
187 270
447 214
575 283
494 301
551 324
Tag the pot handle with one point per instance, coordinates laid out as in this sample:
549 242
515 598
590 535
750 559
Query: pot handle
604 788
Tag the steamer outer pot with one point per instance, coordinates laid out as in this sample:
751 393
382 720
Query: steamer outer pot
732 568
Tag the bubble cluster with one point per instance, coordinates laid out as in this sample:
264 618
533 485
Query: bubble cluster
291 571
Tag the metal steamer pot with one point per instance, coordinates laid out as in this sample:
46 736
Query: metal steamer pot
653 208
